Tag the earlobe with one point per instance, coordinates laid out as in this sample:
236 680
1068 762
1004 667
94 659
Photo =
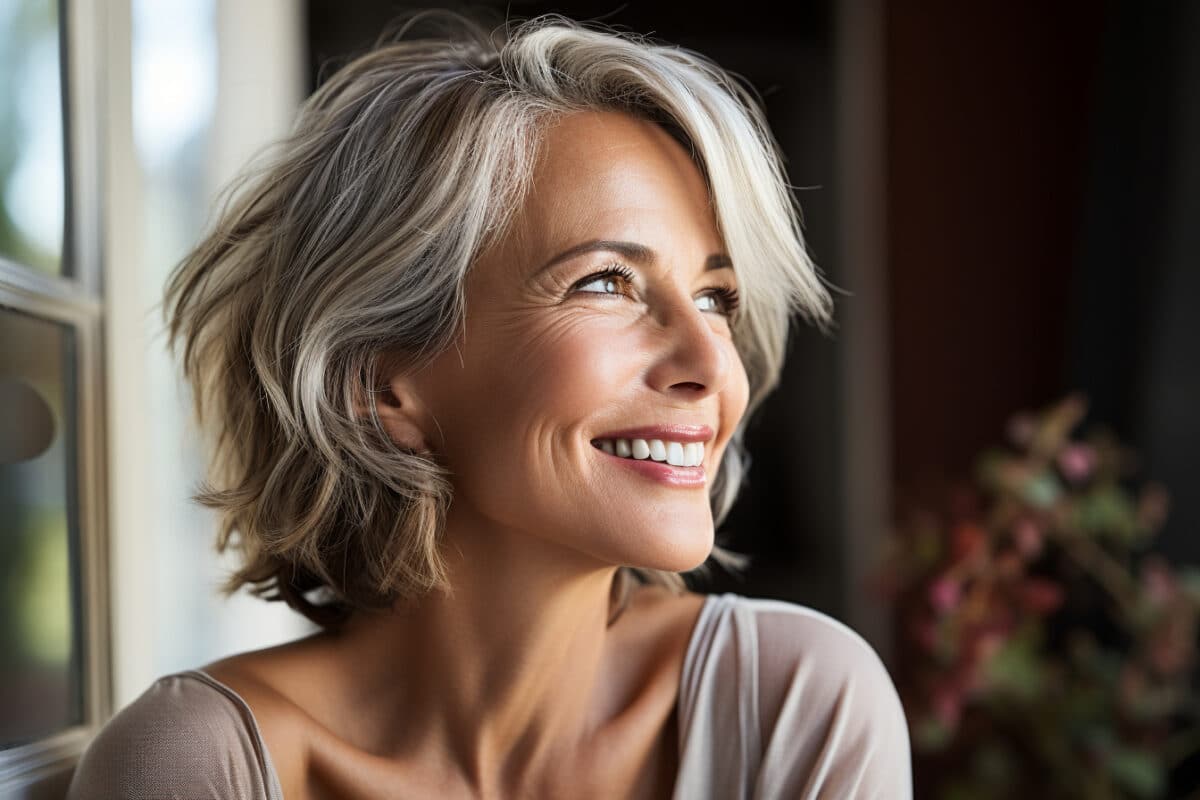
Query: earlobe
402 414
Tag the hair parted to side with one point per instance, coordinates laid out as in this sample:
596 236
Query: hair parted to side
351 247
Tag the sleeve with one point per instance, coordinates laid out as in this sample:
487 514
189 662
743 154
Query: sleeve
180 739
831 720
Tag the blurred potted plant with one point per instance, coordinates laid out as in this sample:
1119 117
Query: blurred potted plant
1042 650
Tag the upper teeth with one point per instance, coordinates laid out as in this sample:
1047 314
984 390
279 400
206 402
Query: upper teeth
677 454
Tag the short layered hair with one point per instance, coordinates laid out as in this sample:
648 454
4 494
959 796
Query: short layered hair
351 244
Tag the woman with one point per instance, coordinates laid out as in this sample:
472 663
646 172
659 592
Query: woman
477 350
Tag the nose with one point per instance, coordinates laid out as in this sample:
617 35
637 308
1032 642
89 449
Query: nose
694 361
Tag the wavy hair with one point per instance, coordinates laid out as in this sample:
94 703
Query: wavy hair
353 240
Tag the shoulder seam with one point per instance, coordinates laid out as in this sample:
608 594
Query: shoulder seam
266 767
771 604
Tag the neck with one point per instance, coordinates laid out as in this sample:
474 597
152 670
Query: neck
508 673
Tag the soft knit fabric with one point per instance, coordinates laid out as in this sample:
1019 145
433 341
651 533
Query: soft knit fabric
776 701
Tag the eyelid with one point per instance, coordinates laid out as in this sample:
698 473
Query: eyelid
726 294
614 268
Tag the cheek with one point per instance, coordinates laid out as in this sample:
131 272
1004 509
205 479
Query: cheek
574 366
524 388
566 368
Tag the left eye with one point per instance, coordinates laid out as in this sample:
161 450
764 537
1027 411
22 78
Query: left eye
617 277
610 278
609 285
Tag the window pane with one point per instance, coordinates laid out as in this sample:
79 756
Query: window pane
40 637
32 188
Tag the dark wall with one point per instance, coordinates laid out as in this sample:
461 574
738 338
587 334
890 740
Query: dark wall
1043 198
788 517
1135 339
988 116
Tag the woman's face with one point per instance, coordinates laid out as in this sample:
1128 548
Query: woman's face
556 357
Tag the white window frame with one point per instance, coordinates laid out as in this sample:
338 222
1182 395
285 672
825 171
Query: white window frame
44 767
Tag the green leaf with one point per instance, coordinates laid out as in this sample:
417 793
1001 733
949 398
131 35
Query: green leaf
1189 581
927 548
1042 490
1016 669
929 734
1107 510
963 790
1138 772
990 469
994 765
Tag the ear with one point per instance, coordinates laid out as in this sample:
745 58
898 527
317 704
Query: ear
404 416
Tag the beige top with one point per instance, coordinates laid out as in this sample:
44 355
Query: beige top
776 701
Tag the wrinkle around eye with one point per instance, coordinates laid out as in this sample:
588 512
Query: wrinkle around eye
540 336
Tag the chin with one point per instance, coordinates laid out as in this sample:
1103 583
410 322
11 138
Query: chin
676 555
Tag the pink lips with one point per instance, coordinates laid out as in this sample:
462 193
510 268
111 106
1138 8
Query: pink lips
660 471
674 433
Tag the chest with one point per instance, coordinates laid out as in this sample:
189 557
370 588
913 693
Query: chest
642 767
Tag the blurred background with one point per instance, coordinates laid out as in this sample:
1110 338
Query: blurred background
988 470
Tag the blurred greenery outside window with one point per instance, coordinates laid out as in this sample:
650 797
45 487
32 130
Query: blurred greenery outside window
40 690
32 186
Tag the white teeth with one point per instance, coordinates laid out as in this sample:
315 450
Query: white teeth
677 454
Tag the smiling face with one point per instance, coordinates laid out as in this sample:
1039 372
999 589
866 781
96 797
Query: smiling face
557 354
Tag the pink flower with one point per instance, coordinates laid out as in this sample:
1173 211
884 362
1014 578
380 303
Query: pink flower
1028 538
945 593
1077 462
1171 646
1158 581
947 704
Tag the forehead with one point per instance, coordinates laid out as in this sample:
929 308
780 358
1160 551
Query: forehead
605 174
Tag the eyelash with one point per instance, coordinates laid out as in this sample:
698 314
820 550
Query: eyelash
727 296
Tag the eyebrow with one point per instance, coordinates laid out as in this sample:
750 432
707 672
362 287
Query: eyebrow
633 251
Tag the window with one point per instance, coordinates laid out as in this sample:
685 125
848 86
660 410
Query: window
119 123
53 632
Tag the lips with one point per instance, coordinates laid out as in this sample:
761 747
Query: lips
674 433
